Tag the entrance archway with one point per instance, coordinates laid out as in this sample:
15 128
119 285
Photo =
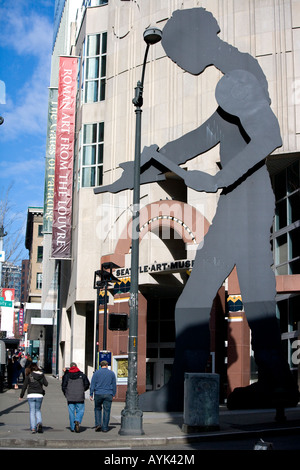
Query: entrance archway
173 227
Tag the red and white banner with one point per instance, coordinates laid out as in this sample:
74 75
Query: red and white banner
65 133
21 321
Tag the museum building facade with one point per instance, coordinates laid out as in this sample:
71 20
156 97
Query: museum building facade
88 289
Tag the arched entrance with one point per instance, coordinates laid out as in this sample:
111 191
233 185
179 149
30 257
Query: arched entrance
161 292
170 232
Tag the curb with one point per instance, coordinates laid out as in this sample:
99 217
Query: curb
142 442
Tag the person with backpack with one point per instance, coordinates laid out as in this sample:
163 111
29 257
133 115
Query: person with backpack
74 384
35 381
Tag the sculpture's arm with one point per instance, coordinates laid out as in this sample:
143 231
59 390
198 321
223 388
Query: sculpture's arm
177 152
151 174
264 134
264 138
194 143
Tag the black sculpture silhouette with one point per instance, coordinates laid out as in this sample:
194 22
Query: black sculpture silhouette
247 131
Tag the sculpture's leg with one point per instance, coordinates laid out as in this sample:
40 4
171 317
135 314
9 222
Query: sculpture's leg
192 323
275 386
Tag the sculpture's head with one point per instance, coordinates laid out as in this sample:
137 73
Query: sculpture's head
189 39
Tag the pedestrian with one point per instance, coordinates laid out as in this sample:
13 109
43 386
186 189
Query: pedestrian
34 382
23 361
103 389
16 369
28 363
74 384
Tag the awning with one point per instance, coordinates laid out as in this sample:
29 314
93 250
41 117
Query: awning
35 326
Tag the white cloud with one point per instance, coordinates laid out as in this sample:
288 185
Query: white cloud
21 168
29 35
26 32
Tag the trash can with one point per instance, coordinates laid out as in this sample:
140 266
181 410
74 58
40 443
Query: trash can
201 402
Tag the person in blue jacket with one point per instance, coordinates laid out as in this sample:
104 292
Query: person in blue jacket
103 389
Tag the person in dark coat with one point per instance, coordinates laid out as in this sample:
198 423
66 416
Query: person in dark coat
74 384
34 383
16 369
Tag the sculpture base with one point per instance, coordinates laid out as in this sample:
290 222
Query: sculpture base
201 402
187 429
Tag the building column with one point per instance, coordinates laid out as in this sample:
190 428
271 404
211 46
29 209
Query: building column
78 326
238 366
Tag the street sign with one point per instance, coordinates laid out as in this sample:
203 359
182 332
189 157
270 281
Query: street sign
5 303
2 256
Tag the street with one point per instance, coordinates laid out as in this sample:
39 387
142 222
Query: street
283 443
239 430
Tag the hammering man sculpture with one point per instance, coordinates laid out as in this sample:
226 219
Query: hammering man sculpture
246 131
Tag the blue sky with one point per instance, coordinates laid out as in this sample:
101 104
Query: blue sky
25 59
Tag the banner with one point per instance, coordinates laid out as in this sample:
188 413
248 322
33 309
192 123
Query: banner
21 321
50 161
65 133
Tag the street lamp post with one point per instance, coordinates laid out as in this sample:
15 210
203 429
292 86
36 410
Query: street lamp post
131 416
2 235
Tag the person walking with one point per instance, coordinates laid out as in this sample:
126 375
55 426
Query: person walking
103 389
74 384
23 361
35 381
16 369
28 363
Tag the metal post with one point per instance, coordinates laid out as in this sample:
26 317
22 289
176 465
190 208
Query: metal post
97 327
131 415
105 318
2 235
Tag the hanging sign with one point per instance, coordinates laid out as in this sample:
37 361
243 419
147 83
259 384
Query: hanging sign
63 184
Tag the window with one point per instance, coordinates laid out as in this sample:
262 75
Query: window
39 280
287 221
40 230
94 68
92 155
39 254
160 328
96 3
289 314
93 3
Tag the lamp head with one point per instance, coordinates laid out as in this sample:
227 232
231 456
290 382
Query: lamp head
152 36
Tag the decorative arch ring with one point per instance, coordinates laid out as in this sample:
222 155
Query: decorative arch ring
185 219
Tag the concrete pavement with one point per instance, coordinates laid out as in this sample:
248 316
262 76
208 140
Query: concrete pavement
160 429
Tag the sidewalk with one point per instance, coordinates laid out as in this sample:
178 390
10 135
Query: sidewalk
160 429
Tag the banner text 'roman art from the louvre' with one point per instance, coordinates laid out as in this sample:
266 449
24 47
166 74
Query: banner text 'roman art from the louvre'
65 132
